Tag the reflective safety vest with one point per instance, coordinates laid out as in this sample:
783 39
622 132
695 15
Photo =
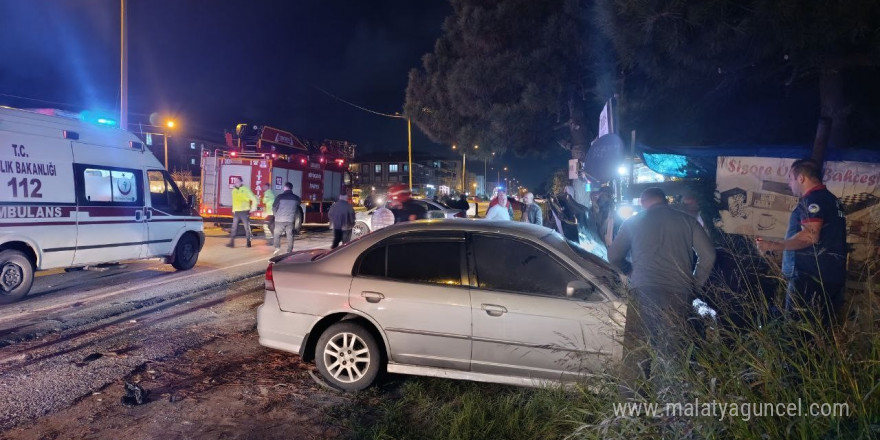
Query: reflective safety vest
268 200
242 198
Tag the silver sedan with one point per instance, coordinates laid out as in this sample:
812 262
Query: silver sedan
503 302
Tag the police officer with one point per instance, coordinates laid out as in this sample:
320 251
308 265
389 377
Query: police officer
814 249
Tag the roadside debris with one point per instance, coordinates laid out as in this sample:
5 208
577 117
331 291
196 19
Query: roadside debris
134 394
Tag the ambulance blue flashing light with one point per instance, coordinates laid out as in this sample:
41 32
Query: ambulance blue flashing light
89 116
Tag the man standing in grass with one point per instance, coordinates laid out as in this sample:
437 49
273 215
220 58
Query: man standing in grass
661 243
814 250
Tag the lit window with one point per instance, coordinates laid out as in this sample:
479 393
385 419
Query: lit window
392 168
378 168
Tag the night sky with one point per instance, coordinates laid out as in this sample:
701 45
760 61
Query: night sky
212 64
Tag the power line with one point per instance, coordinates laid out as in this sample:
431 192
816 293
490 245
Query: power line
38 100
66 104
357 106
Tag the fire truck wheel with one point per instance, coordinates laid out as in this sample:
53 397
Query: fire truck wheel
186 253
297 222
16 276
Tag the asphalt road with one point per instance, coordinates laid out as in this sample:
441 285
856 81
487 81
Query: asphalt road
79 331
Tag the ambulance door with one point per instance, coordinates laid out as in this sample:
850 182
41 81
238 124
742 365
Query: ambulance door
110 221
166 213
37 203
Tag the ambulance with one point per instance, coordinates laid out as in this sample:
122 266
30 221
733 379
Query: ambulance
76 193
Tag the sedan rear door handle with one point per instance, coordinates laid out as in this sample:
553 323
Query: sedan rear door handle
493 310
372 297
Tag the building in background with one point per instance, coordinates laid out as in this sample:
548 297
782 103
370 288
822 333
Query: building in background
432 174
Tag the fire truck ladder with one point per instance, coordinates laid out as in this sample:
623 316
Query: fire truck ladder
209 181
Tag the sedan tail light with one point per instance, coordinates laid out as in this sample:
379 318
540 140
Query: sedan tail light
269 282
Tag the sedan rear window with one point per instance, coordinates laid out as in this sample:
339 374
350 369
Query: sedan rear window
373 263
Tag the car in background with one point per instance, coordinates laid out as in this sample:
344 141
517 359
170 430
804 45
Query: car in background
436 210
492 301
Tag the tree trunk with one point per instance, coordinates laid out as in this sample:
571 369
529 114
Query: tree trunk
833 129
580 142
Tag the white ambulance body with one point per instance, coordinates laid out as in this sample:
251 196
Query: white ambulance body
73 193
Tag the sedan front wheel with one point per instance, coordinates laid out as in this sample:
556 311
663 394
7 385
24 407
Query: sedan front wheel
348 356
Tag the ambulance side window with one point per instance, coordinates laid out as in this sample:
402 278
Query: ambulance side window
164 194
99 185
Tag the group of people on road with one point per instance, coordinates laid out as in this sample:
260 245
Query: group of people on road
500 208
669 256
279 211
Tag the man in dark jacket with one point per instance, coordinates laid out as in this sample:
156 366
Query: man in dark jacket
341 220
462 204
286 209
531 211
661 243
403 206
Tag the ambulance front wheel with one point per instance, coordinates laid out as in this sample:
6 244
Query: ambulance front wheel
16 276
186 253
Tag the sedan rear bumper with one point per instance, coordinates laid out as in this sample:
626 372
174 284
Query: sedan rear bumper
282 330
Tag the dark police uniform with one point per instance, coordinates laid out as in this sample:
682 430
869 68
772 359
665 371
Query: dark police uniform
817 274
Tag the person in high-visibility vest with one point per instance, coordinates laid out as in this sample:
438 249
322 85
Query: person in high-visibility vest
243 203
268 214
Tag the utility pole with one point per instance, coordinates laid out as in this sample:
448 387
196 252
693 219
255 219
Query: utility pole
463 172
123 68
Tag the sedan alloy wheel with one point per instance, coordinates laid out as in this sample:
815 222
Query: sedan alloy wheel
359 230
348 357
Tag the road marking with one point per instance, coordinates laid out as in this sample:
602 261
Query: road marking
91 299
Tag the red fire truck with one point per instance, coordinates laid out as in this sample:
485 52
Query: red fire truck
260 154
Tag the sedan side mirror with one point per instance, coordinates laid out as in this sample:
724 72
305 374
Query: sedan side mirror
578 289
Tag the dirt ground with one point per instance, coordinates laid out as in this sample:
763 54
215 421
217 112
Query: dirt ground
230 388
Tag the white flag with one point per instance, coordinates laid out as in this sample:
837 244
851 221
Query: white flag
604 121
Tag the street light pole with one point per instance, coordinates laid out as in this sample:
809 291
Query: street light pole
165 136
123 69
463 172
409 149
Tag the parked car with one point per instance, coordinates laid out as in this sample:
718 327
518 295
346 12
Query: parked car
491 301
362 225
